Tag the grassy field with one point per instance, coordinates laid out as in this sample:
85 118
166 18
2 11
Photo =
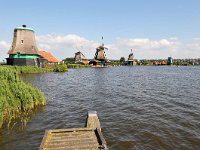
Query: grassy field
16 96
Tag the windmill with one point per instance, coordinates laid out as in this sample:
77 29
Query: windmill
131 60
131 56
80 58
100 56
100 52
24 51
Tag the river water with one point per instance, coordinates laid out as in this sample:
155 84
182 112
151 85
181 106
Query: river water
140 108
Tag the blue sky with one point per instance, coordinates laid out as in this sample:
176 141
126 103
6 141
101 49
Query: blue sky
152 28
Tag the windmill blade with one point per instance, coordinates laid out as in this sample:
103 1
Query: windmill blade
105 48
77 48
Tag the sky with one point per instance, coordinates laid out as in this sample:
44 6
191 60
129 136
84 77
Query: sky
153 29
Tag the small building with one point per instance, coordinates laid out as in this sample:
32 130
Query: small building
159 62
169 61
24 51
47 58
80 58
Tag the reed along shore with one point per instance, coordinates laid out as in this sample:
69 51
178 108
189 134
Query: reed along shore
16 96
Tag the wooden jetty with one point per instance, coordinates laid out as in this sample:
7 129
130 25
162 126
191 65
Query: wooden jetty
87 138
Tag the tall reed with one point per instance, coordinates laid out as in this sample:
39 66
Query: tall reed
17 96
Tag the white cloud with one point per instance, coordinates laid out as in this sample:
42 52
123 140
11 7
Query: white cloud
4 47
146 48
193 50
196 39
63 46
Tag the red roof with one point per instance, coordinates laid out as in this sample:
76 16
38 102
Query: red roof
48 56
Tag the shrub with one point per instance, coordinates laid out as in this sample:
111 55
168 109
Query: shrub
60 68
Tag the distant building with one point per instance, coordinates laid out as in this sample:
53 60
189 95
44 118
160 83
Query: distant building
159 62
169 61
24 50
80 58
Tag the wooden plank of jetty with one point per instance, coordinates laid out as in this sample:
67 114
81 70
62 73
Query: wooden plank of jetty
87 138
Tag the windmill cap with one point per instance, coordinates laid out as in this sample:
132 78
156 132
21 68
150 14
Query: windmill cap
24 27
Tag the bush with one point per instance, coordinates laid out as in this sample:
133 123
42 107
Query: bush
60 68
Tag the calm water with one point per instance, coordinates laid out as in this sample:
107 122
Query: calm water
140 108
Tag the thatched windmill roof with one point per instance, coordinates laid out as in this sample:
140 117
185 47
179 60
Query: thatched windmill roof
79 56
100 53
131 57
23 41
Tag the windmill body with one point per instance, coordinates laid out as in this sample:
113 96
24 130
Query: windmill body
23 50
100 59
80 58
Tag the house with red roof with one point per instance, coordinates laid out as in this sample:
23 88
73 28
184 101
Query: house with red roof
47 58
50 58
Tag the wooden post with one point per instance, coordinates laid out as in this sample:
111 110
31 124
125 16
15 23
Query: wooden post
93 120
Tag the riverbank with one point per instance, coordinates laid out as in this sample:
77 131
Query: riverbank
16 96
76 66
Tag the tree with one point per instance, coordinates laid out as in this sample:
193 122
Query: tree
69 60
122 60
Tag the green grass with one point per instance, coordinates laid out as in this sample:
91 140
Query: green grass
16 96
76 66
30 69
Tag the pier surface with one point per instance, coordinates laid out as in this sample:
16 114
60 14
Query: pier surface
88 138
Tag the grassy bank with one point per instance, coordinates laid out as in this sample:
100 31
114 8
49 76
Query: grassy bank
29 69
17 97
76 66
